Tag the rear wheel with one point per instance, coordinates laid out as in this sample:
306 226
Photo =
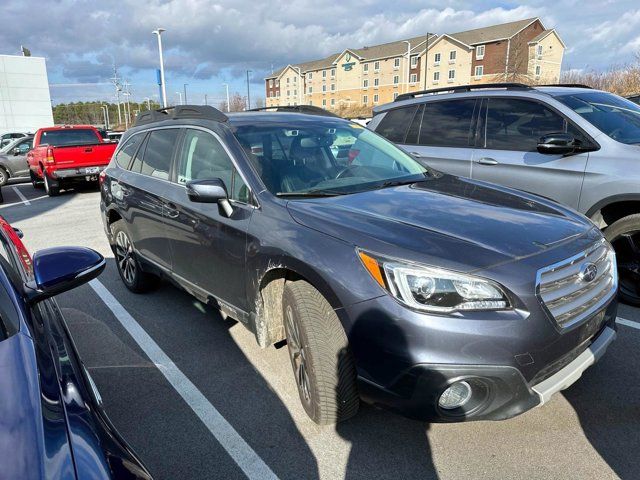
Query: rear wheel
624 235
4 176
49 187
322 363
128 266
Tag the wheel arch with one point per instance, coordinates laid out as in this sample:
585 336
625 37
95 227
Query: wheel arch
613 208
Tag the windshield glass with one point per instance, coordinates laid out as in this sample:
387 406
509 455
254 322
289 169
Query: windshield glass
615 116
75 136
325 157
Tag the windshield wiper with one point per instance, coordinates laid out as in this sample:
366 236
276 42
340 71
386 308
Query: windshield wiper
396 183
310 193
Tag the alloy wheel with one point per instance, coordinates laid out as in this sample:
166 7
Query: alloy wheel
124 257
627 247
298 356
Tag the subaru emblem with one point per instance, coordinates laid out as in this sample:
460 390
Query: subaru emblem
588 272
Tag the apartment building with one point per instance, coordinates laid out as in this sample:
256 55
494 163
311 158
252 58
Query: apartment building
523 51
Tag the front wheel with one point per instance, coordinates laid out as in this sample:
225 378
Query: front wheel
129 269
624 235
4 176
322 362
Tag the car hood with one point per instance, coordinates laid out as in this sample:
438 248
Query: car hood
457 223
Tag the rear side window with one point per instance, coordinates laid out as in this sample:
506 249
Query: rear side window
515 124
395 123
123 157
204 158
156 160
71 136
448 124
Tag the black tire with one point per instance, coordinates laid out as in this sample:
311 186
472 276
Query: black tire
624 235
4 176
35 181
49 188
322 362
128 265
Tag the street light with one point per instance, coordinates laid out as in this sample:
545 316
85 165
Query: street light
408 62
148 100
105 113
158 32
228 106
248 91
184 85
180 93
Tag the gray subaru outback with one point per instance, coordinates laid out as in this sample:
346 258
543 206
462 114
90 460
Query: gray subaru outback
572 144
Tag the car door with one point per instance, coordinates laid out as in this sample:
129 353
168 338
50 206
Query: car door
145 187
510 129
208 247
17 158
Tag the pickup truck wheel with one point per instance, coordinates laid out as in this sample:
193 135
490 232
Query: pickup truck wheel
128 266
51 190
624 235
322 362
4 176
35 181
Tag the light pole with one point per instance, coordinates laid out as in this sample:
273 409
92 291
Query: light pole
426 60
105 112
148 100
228 105
158 32
248 91
184 86
408 62
180 93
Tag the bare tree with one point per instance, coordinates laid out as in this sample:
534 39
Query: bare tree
237 103
259 102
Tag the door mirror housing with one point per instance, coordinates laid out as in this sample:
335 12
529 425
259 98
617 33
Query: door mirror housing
210 191
557 144
59 269
16 151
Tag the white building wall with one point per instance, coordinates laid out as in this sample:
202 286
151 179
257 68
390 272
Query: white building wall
25 102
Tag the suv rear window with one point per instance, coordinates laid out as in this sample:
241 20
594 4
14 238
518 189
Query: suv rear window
71 136
395 123
447 123
123 157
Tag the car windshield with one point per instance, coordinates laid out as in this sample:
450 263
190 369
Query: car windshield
325 157
71 136
615 116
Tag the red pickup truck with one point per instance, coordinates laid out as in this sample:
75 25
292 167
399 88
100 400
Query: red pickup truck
67 155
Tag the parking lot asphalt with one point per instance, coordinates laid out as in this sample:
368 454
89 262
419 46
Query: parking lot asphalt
197 398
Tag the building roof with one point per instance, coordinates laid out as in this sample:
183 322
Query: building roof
385 50
492 33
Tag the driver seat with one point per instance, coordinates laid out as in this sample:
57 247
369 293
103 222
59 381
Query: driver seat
305 167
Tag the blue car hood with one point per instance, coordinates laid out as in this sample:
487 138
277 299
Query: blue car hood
464 224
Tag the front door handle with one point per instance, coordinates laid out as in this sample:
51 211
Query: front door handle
415 154
487 161
172 210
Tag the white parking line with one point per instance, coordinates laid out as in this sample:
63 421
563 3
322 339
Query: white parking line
628 323
246 458
21 196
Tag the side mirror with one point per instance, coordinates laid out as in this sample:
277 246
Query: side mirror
210 191
16 151
557 144
60 269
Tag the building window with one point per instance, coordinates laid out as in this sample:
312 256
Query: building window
375 98
452 75
288 93
436 77
365 67
271 83
365 99
376 82
288 80
333 102
295 79
396 63
309 76
333 87
324 88
324 102
333 73
277 83
310 89
413 78
452 56
324 74
479 52
295 93
365 83
376 66
436 58
396 79
310 102
395 95
414 61
479 70
539 50
538 70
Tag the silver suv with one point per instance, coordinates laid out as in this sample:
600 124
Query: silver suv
575 145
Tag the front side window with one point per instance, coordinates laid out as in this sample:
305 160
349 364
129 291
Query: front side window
124 155
202 157
516 124
330 156
447 124
616 117
156 160
24 146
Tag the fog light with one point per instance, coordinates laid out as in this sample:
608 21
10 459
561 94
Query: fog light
455 396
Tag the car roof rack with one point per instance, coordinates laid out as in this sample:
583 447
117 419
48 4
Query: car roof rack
309 109
204 112
464 88
568 85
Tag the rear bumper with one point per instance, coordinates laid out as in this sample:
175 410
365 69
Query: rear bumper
80 173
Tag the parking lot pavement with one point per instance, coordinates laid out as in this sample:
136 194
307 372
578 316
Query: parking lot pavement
174 387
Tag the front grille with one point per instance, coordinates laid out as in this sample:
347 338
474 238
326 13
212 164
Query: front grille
565 293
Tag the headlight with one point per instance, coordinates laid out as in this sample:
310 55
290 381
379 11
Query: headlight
434 289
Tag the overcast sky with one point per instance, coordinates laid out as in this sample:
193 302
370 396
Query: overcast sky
208 42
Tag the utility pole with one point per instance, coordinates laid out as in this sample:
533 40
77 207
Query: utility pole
184 86
248 92
127 94
408 63
228 105
426 61
158 32
148 100
116 83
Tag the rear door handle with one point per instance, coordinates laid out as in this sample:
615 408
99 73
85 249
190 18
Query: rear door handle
172 210
487 161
